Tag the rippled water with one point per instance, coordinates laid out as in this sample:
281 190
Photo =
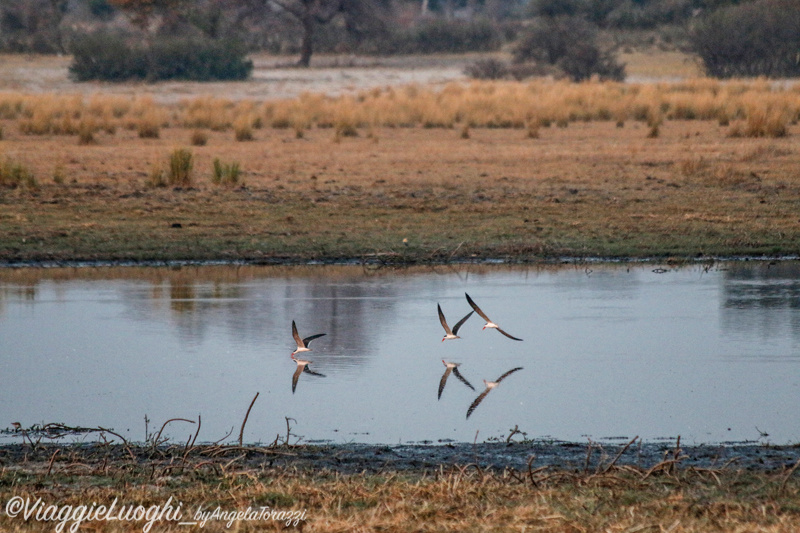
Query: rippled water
609 351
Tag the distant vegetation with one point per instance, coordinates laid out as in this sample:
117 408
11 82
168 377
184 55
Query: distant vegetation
760 38
570 43
577 39
108 56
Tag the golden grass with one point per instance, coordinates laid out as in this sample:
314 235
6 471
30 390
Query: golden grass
766 108
243 128
206 112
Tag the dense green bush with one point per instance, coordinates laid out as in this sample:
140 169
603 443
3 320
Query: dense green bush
106 56
197 59
761 38
110 57
572 45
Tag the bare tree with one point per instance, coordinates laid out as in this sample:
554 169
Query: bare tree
361 17
309 13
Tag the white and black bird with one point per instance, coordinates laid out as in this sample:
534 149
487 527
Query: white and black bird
302 344
452 367
451 333
489 323
489 386
302 366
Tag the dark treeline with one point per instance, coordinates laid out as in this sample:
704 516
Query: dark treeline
407 26
158 39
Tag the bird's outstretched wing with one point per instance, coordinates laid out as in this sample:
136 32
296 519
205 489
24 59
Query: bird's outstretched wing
443 321
312 337
295 377
460 322
477 309
444 380
501 378
309 371
462 378
477 401
508 335
296 336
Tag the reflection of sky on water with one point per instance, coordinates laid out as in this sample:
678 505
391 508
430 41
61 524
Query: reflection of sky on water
763 302
609 351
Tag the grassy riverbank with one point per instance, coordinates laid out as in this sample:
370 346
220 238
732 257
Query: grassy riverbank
387 170
603 495
408 194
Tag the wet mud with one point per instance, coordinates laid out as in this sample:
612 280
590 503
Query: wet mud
420 458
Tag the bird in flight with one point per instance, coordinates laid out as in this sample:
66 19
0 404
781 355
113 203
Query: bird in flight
302 344
489 323
452 367
451 334
302 366
489 386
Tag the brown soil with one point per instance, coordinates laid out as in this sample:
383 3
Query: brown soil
587 190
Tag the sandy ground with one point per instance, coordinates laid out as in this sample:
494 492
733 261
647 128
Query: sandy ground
273 77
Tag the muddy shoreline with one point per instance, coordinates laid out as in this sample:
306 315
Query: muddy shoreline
571 456
368 261
420 459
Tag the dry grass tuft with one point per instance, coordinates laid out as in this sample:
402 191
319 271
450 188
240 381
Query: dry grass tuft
14 175
199 138
148 127
59 175
207 112
243 128
225 174
762 122
180 168
86 131
157 177
692 166
532 131
345 128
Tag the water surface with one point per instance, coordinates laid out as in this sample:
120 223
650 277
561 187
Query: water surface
609 351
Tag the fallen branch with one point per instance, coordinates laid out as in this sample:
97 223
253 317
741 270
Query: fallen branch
623 450
158 437
788 475
246 416
52 460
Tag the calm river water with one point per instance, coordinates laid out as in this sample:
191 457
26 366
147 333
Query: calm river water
609 351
